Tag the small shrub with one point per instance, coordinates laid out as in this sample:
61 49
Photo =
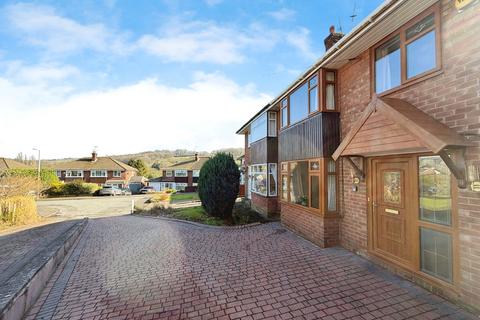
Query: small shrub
74 188
170 191
18 210
218 185
160 197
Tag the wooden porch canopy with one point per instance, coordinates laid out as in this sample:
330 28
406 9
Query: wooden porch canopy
391 126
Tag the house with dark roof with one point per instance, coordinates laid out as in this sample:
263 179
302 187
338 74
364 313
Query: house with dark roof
182 176
7 164
94 169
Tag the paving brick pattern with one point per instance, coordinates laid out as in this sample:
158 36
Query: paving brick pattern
142 268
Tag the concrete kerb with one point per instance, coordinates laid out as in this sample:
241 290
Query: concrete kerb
21 291
201 225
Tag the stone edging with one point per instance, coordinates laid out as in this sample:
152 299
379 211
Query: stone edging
197 224
27 285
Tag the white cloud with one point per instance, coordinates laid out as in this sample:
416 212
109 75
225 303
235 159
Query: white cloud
43 26
282 14
300 40
44 73
206 41
142 116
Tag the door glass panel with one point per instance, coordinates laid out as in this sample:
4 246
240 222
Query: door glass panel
392 187
436 253
434 190
315 191
284 187
314 165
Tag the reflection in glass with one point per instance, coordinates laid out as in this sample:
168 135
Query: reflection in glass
272 176
436 253
421 55
284 117
299 183
434 190
387 65
314 99
392 187
420 26
299 104
315 191
331 166
313 81
314 165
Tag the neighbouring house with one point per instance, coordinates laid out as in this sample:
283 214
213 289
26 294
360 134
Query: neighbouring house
182 176
136 183
376 147
94 169
8 164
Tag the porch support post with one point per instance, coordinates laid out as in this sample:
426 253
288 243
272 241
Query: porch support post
357 170
456 165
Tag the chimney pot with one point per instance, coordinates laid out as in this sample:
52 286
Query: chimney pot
332 38
196 156
94 156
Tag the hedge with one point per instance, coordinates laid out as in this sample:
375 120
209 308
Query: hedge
18 210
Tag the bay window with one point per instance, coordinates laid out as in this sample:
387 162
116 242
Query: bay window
410 53
299 104
310 183
263 179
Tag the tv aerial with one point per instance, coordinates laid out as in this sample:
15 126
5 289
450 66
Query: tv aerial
354 14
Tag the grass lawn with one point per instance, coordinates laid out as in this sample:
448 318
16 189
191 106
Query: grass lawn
184 197
196 214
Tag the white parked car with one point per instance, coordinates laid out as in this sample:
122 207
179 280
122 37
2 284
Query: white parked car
110 191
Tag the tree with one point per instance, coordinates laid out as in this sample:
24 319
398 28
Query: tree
139 165
218 185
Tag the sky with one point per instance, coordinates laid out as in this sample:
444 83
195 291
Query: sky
130 76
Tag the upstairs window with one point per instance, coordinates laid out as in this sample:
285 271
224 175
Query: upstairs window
196 173
74 173
117 173
284 112
299 104
58 173
181 173
98 173
169 173
313 94
272 124
410 53
258 128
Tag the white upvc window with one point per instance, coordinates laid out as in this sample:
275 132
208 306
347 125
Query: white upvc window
180 186
98 173
196 173
74 173
181 173
169 173
263 179
117 173
58 173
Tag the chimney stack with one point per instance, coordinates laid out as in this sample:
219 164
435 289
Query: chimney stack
332 38
94 155
196 156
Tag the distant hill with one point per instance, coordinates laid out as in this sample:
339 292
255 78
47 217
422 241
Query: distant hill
163 158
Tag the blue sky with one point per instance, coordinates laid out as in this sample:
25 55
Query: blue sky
153 74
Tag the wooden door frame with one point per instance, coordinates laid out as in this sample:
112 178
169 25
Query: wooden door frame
416 271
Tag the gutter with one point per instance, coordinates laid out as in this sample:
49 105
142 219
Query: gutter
370 21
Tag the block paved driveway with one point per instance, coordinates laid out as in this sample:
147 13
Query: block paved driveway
131 267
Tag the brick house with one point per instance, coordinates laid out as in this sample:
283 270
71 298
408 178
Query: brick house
182 176
99 170
376 147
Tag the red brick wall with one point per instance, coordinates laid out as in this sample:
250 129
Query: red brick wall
453 98
265 205
312 226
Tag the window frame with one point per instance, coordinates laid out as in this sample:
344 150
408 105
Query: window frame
272 115
251 176
310 88
68 173
169 173
116 173
195 173
322 174
287 107
325 82
182 171
404 82
98 176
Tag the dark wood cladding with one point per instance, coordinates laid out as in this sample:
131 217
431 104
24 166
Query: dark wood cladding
315 137
264 151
